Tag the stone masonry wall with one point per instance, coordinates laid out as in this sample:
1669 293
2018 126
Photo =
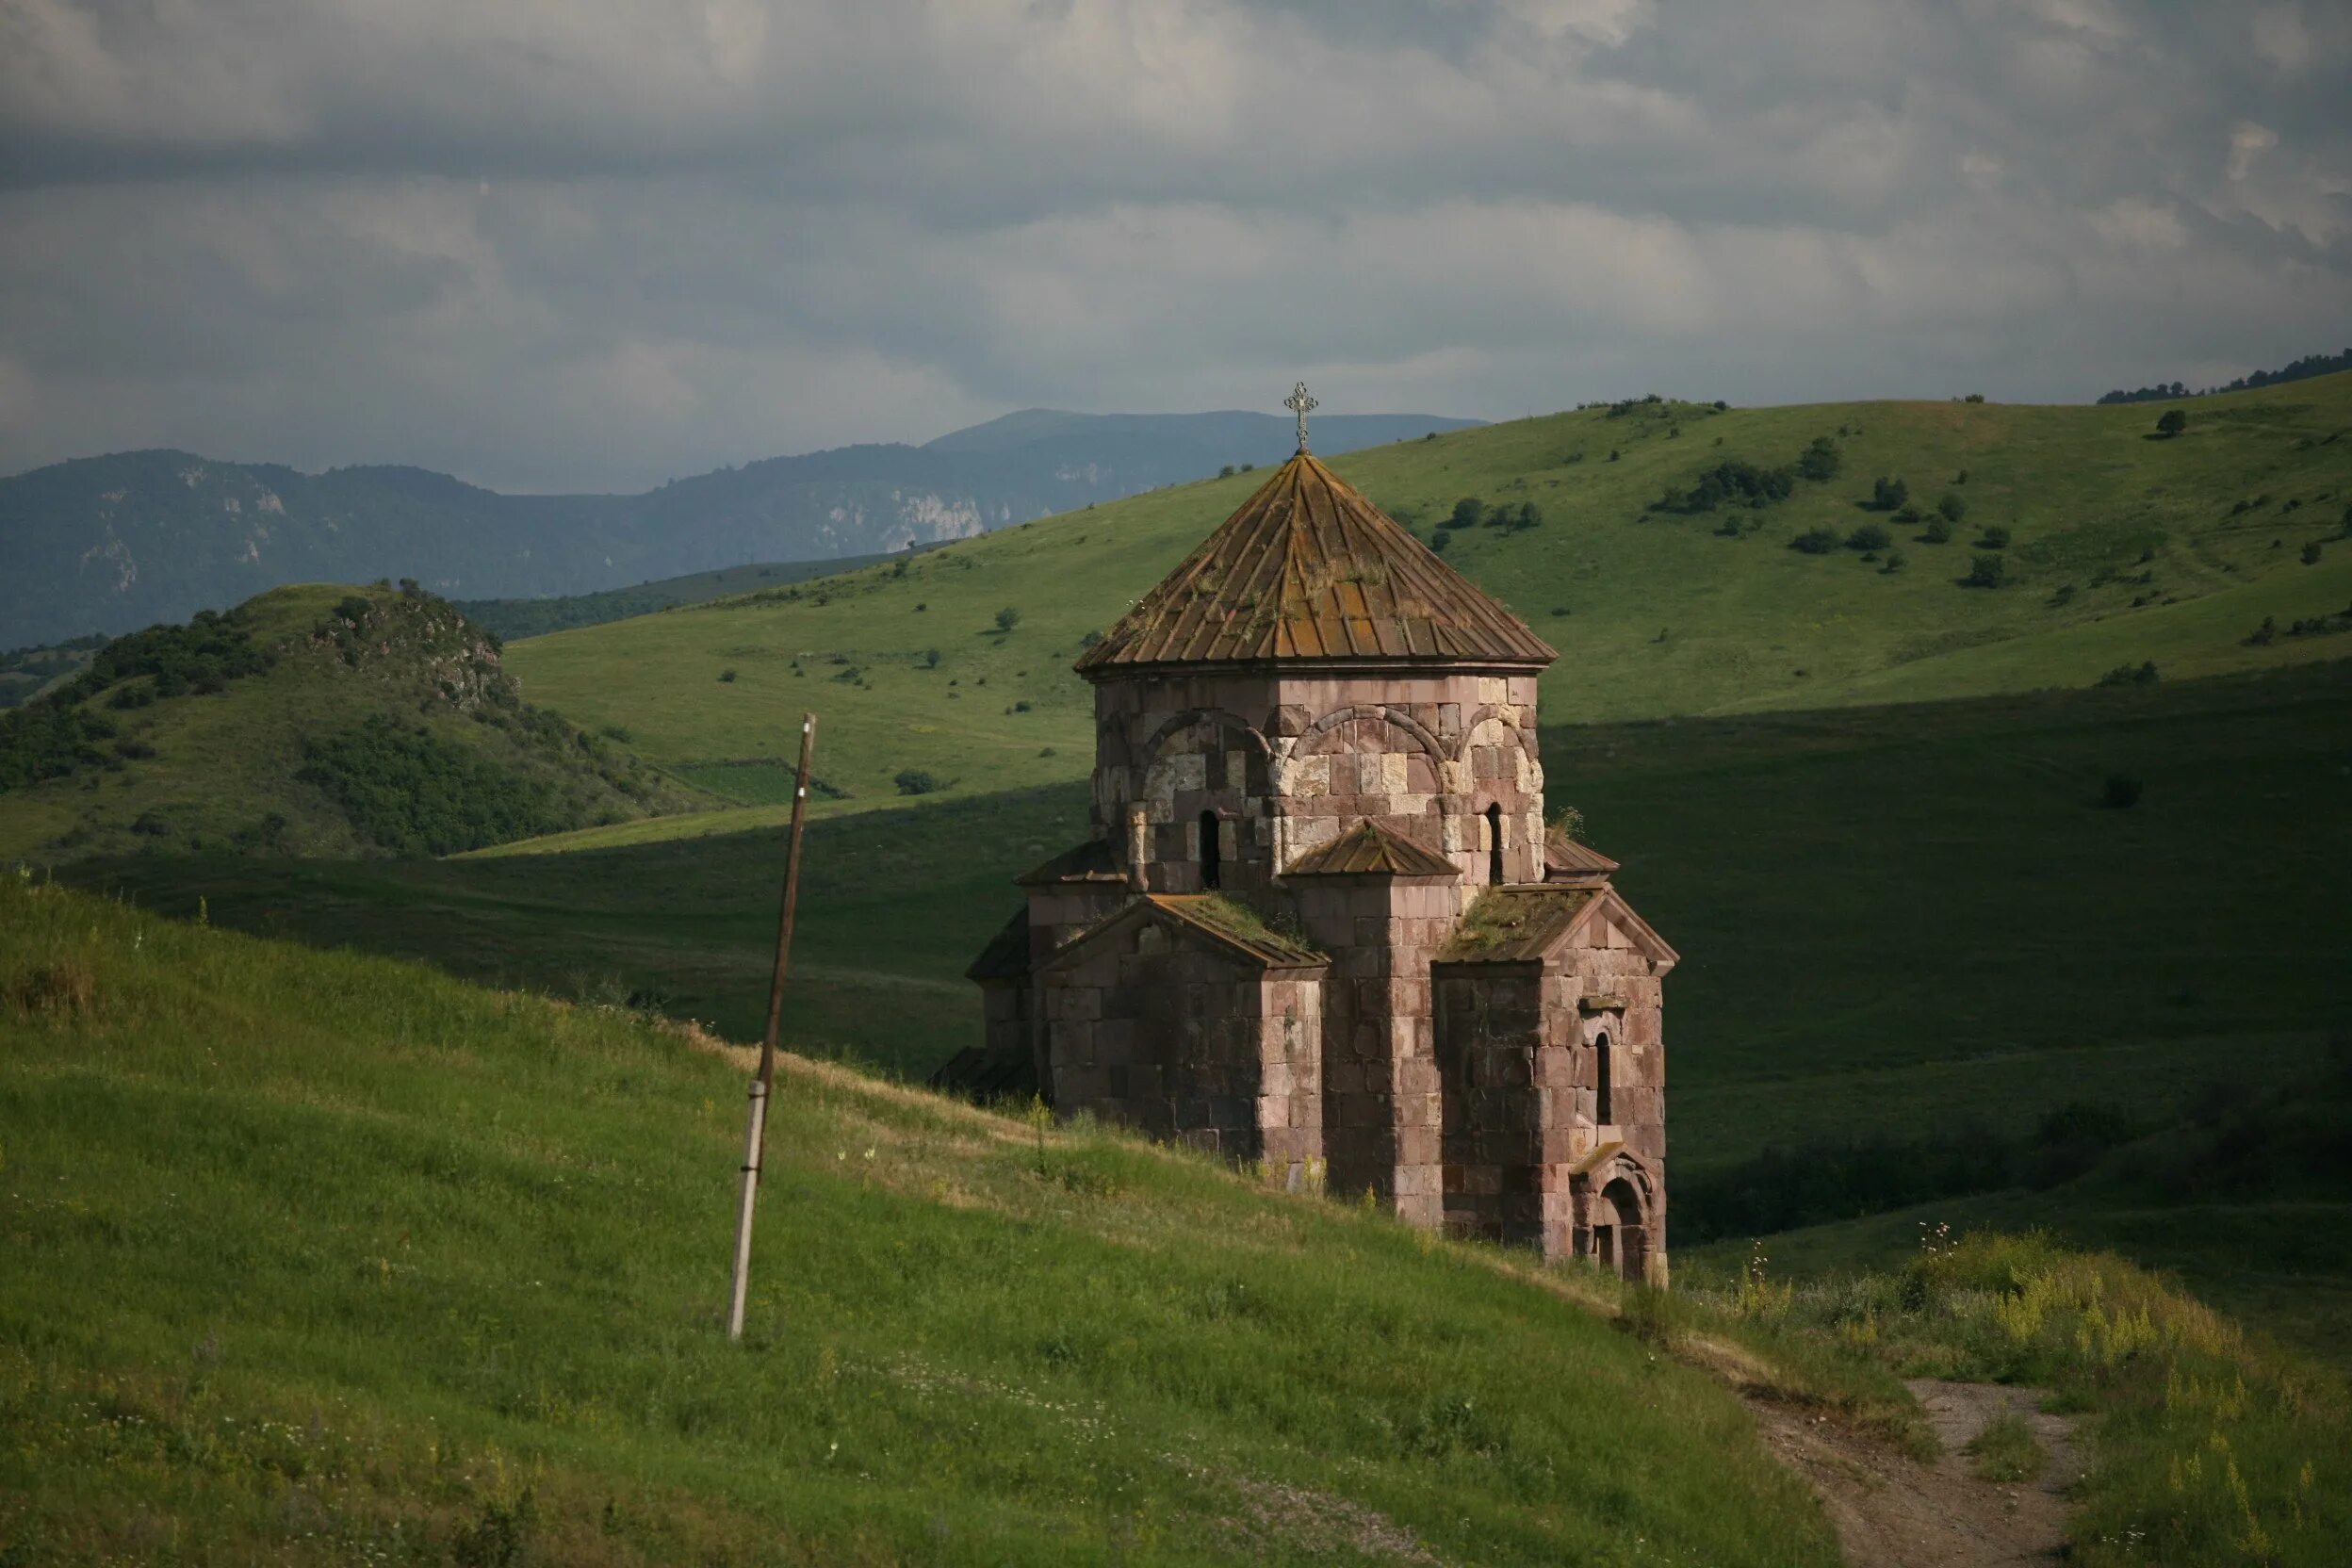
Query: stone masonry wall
1382 1108
1490 1032
1166 1033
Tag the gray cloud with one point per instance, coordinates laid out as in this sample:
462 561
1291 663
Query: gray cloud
601 244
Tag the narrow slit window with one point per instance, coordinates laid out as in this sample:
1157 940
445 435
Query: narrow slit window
1211 850
1494 843
1603 1113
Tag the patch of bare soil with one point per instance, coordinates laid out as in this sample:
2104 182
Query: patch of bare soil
1891 1511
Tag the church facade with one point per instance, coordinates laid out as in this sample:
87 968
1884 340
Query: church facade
1320 926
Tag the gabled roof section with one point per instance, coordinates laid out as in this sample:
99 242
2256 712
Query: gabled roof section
1309 570
1233 929
1006 957
1516 926
1368 849
1526 925
1564 860
1091 861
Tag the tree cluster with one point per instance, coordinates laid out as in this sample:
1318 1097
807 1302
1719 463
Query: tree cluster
413 794
2301 369
1731 482
1470 512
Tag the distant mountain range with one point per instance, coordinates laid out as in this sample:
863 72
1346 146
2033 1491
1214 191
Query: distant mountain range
114 542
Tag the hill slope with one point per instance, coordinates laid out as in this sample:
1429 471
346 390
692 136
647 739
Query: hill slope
2120 549
110 543
313 720
321 1258
536 617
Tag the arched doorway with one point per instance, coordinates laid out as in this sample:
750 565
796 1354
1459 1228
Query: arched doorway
1620 1242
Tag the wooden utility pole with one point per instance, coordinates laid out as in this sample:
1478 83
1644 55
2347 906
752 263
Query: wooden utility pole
756 1136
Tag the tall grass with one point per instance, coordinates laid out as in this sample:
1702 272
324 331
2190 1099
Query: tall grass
2208 1445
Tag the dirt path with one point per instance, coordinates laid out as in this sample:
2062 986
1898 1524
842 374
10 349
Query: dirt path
1891 1511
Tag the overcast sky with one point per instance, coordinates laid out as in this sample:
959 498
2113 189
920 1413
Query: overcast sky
556 244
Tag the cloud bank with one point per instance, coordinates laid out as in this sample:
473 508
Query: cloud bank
598 244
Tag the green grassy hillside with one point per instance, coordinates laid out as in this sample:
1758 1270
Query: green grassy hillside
315 720
320 1258
2121 548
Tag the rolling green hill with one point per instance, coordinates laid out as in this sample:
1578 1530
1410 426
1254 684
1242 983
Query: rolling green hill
2122 547
317 1258
315 720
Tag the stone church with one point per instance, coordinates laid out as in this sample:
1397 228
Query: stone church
1320 926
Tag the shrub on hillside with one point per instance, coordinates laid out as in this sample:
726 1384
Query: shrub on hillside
1469 513
1870 537
1007 618
2311 553
917 781
1820 461
1816 541
1939 532
2142 674
1886 495
1894 562
1995 538
1952 506
1988 571
2171 423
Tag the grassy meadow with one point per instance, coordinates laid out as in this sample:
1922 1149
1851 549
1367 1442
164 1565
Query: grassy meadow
2120 549
329 1258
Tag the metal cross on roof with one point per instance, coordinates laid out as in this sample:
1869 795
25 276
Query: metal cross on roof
1299 403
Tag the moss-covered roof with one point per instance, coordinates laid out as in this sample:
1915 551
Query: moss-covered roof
1514 925
1239 925
1368 849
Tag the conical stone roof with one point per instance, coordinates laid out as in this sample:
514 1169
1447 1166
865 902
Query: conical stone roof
1309 570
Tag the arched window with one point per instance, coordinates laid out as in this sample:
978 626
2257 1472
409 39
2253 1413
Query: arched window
1494 843
1210 850
1603 1113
